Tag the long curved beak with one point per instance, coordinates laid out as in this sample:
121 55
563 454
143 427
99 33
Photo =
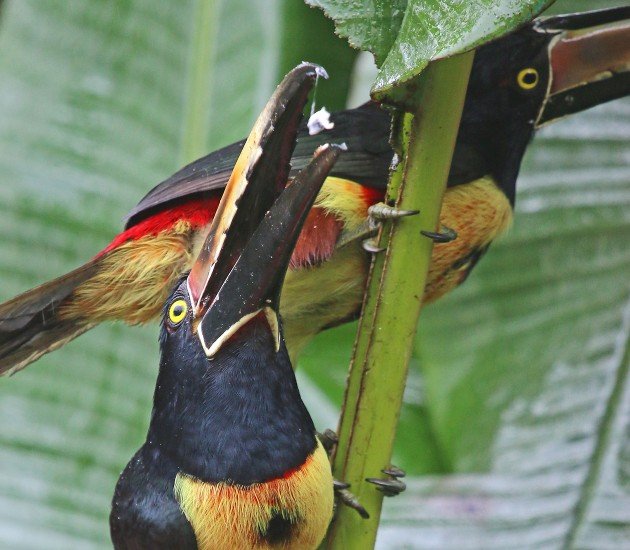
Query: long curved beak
240 269
259 176
589 60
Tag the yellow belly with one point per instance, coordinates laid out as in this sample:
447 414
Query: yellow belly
292 512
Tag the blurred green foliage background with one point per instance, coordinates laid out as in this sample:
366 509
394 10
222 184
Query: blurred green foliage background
515 430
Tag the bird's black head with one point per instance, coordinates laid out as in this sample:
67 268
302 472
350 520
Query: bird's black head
546 70
236 416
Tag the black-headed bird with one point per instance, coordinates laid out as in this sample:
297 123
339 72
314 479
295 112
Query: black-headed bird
231 458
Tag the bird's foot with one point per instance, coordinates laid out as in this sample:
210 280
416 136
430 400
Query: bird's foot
328 439
447 235
377 213
348 499
380 211
392 485
369 245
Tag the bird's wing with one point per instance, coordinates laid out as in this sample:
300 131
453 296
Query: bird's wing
364 130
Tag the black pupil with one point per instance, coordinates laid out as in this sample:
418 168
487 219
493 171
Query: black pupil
529 77
178 310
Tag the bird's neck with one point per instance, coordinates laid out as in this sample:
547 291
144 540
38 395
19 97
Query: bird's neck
238 417
490 147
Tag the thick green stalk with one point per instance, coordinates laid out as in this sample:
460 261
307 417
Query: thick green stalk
388 324
200 69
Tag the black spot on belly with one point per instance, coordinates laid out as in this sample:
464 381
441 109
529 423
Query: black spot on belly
279 529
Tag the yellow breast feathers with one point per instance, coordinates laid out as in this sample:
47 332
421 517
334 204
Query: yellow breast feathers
288 512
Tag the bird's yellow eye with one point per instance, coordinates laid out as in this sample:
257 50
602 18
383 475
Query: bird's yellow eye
527 78
177 311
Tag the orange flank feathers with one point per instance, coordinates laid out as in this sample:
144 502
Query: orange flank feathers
291 512
479 212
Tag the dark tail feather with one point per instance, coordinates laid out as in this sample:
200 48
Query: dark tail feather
31 324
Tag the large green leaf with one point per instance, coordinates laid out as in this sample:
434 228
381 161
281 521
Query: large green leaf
370 25
405 35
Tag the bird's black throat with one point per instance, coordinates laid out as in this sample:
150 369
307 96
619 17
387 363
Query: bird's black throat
238 417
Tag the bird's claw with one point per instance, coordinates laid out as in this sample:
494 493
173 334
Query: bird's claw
376 214
329 440
381 211
369 245
392 486
446 236
340 485
389 487
394 471
348 499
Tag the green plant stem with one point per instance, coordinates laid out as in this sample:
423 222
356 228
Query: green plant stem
388 324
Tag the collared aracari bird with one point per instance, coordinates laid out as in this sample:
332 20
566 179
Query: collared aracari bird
548 69
231 458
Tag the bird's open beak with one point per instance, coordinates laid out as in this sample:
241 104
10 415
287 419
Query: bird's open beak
590 60
258 178
241 267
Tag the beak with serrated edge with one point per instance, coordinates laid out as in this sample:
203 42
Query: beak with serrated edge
259 176
589 60
239 271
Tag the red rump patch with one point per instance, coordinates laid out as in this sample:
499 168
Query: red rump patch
197 212
315 244
371 195
317 240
